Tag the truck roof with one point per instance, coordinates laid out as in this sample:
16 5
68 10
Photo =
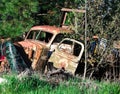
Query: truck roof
51 29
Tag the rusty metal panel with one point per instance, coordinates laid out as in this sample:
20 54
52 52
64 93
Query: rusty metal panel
63 60
34 51
37 53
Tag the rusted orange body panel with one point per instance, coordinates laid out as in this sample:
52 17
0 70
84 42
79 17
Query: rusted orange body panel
33 50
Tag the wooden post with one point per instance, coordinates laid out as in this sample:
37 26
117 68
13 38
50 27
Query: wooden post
65 11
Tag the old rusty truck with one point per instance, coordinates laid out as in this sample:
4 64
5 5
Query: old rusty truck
42 46
41 41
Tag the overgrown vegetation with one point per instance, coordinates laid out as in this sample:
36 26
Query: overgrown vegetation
16 16
19 16
103 17
34 85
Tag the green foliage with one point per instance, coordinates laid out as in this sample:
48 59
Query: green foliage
52 9
16 16
109 88
30 85
103 18
33 85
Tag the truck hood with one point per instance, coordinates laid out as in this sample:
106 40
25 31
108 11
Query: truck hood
30 44
33 50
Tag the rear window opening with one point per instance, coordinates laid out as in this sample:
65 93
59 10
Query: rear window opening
70 47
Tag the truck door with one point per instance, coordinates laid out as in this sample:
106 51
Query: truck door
67 55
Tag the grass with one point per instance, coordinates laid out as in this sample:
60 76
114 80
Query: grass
32 85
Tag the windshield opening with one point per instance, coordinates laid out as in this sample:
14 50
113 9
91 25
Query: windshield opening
40 35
